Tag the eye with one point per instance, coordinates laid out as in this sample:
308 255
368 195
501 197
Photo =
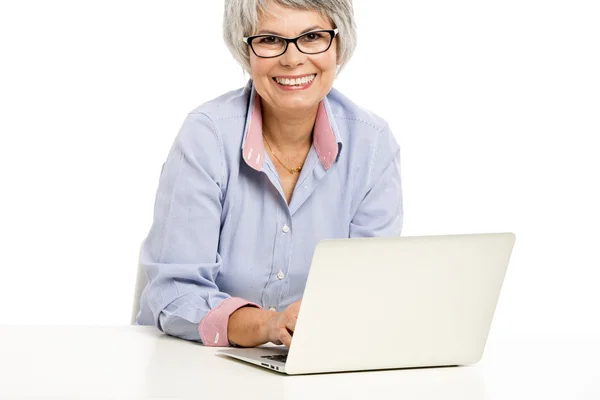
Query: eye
312 36
268 40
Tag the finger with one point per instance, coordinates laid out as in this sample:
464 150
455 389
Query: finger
291 324
274 336
285 337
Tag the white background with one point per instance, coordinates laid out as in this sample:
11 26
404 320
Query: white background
495 104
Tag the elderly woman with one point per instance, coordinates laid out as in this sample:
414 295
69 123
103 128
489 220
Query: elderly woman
256 177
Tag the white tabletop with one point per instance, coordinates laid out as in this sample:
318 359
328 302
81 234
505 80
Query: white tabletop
141 363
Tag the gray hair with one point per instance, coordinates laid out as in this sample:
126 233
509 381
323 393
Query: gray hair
240 19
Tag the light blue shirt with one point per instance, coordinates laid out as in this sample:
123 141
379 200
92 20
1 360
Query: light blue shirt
222 227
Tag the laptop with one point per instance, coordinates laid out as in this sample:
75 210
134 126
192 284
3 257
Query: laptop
387 303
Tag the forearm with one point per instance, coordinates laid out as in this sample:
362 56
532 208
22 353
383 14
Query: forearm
247 326
181 317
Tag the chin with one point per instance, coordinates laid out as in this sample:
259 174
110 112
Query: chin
299 104
306 100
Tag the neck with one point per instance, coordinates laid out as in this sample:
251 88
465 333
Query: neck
290 133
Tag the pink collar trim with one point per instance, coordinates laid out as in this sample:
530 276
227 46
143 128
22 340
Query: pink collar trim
324 138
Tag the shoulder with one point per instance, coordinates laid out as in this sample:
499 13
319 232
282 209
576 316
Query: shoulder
228 105
211 130
204 125
344 109
361 128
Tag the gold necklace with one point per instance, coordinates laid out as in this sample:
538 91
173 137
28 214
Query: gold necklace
291 170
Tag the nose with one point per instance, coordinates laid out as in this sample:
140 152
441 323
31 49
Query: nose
292 56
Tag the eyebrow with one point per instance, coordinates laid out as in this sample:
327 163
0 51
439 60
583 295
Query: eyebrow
267 32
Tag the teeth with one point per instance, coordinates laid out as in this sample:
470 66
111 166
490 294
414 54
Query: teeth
295 82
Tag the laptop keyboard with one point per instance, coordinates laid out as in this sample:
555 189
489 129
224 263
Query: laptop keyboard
276 357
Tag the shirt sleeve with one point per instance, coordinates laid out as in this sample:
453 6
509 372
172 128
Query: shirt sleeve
381 213
180 254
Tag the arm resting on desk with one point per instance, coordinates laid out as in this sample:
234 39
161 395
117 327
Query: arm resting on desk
180 255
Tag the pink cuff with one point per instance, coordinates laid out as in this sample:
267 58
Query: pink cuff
213 327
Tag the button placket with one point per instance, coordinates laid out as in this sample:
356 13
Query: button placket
285 241
272 293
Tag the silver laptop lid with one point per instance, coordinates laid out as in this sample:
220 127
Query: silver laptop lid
378 303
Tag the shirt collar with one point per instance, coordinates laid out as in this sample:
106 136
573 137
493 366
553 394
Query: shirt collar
326 139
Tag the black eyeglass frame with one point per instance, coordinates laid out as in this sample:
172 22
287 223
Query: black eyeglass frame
332 32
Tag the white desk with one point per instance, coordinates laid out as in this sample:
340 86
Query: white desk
141 363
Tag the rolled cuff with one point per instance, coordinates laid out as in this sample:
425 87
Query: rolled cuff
213 327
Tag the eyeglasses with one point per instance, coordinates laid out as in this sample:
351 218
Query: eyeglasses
270 46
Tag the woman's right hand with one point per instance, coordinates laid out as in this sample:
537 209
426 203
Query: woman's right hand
281 325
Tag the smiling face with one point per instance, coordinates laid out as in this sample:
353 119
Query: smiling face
293 81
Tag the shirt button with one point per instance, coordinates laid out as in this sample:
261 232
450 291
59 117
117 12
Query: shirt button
280 275
285 229
272 309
